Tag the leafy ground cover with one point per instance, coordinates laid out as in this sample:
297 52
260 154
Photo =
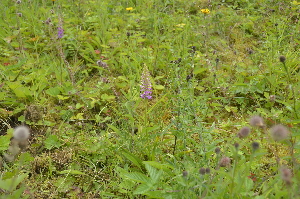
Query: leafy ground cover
150 99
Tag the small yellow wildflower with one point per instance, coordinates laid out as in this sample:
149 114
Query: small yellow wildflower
181 25
130 8
205 11
296 3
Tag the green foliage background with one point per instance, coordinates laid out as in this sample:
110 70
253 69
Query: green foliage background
92 136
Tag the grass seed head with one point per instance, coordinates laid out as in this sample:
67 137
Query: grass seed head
286 175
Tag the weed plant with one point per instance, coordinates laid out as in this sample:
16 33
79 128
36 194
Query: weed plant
149 99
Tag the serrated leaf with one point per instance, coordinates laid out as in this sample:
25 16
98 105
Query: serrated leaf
165 167
154 173
142 188
138 177
52 142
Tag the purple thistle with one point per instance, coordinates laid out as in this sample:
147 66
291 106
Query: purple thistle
60 32
146 86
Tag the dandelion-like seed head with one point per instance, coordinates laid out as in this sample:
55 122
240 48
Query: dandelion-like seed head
279 132
224 162
21 133
257 121
244 132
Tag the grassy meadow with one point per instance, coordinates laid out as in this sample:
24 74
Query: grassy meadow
150 99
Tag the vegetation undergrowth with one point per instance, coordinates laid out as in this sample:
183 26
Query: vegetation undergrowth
149 99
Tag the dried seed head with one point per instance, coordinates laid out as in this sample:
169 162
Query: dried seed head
21 133
18 1
257 121
255 146
286 175
184 173
19 14
244 132
282 58
202 171
224 162
217 150
279 132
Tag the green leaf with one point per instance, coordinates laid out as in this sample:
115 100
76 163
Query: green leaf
158 87
52 142
135 160
138 177
142 188
11 183
4 142
165 167
54 91
154 173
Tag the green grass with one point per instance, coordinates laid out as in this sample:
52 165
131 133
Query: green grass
93 136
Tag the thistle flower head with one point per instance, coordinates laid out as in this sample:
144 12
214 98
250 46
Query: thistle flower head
102 64
255 146
244 132
146 86
202 171
224 162
185 173
217 150
279 132
21 133
282 58
286 175
257 121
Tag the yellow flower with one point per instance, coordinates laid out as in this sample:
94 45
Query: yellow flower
205 11
130 8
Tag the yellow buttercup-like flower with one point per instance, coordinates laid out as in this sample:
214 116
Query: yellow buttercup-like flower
130 8
205 11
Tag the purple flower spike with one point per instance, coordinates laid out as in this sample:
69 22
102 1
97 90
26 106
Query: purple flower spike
146 86
60 32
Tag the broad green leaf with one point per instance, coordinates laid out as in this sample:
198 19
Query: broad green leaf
138 177
154 173
142 188
54 91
